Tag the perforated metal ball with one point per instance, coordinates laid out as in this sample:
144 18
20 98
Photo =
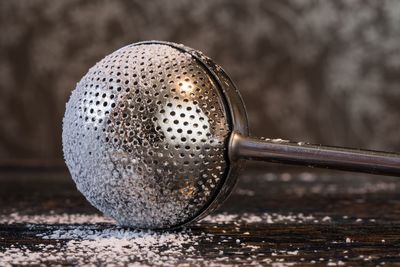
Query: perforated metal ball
145 136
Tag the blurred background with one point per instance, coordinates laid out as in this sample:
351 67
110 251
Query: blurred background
316 71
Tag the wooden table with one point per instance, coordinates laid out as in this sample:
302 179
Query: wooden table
281 218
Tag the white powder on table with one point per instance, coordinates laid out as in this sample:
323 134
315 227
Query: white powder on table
79 239
221 218
63 218
82 239
269 218
106 246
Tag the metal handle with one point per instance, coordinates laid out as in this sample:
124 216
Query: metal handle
368 161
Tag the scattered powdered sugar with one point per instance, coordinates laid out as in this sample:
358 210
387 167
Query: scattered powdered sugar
269 218
326 219
92 239
220 218
245 192
83 239
87 245
108 245
373 187
287 177
54 218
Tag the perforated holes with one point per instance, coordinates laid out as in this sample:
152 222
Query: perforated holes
153 112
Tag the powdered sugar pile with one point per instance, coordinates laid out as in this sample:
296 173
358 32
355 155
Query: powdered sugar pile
92 245
92 239
82 239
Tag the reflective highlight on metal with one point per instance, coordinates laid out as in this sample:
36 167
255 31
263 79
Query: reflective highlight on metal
155 134
145 136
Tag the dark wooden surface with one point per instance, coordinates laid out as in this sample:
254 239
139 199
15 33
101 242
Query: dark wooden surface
355 218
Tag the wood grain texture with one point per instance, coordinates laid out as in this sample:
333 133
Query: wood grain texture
309 219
